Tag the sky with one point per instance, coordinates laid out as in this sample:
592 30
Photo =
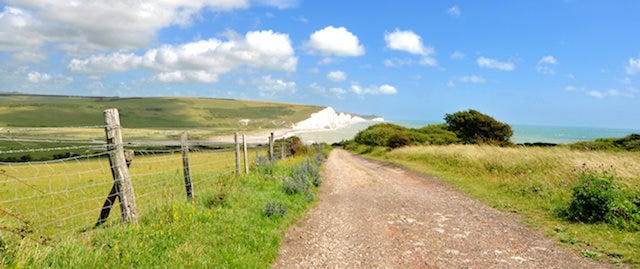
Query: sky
562 62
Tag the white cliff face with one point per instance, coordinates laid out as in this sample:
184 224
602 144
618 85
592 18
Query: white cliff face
329 119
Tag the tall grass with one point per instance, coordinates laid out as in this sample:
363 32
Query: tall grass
536 183
65 197
223 227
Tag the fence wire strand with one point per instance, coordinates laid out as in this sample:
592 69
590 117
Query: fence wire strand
58 197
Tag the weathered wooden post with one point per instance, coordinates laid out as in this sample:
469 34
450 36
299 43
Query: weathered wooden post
185 165
118 163
111 198
271 147
244 151
235 138
282 149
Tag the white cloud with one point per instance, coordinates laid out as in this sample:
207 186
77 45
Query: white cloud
395 62
337 76
268 86
398 62
572 88
628 93
607 93
336 41
428 61
407 41
457 55
31 56
548 60
332 92
450 84
278 3
385 89
633 67
454 11
115 24
37 77
338 91
495 64
18 30
201 61
472 79
545 65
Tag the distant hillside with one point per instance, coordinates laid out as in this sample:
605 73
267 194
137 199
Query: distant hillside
20 110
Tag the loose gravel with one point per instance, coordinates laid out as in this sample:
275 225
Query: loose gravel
374 215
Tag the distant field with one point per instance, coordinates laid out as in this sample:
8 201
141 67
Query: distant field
153 112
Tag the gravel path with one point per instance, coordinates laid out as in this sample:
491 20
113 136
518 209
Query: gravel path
373 215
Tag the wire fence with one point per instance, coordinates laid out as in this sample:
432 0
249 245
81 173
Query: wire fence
65 186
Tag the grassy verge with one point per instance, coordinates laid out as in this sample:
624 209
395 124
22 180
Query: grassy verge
236 222
535 183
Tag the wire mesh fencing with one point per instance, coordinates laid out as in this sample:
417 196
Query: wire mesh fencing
50 187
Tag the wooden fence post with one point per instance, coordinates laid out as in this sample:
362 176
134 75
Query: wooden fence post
244 151
185 165
283 143
118 163
235 138
111 198
271 147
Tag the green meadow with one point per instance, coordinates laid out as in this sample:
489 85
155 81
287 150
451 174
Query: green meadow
147 113
233 221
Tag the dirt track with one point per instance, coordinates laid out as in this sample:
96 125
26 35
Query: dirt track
372 215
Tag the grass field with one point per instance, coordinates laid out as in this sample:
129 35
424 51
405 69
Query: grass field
153 112
224 225
64 197
535 183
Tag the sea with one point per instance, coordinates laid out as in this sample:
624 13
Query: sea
521 133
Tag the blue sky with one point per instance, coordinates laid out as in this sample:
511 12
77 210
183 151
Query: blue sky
567 63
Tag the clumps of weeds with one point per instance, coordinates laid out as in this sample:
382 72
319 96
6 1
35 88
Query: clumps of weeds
294 185
215 199
274 208
596 198
264 166
302 177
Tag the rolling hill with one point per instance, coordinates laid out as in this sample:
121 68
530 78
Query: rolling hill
21 110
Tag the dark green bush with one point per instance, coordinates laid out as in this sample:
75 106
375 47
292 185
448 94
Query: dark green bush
379 134
391 135
438 134
593 198
398 140
596 198
473 127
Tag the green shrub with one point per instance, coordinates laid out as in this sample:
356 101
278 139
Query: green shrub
379 134
627 143
264 166
303 176
593 198
274 209
596 198
391 135
398 140
292 185
473 127
438 134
